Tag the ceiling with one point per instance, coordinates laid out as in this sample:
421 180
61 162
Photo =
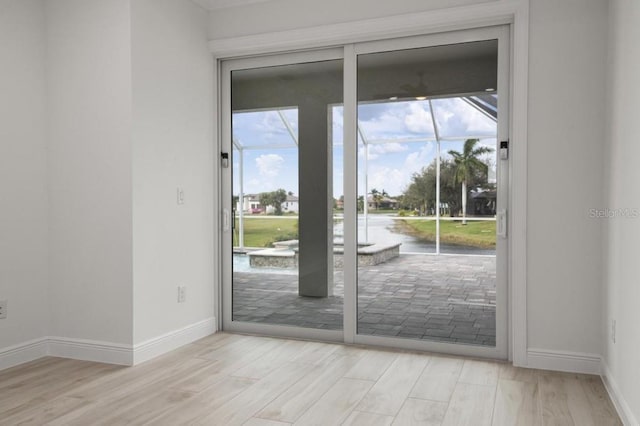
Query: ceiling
426 56
222 4
413 59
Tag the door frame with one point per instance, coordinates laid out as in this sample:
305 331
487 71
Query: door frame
225 188
513 13
500 351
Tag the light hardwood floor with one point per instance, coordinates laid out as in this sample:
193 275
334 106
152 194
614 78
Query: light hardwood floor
230 379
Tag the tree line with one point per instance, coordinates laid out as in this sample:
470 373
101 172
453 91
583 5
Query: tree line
458 175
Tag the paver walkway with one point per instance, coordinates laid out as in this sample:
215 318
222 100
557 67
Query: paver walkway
443 298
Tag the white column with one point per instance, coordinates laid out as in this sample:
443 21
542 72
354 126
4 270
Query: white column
241 201
350 138
435 130
366 183
438 197
366 192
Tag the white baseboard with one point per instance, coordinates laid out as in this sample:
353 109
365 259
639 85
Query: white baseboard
624 411
571 362
106 352
22 353
90 350
167 342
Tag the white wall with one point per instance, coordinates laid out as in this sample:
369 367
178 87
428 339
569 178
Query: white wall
108 224
89 109
87 193
172 147
565 148
130 95
622 290
280 15
23 167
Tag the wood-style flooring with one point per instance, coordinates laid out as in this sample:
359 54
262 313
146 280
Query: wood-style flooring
229 379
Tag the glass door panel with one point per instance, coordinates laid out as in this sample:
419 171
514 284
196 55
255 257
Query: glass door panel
427 124
285 195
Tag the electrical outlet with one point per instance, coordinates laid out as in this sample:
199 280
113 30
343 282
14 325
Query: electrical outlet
613 330
3 309
182 294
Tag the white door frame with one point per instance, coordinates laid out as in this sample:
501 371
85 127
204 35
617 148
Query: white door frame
500 351
225 191
516 14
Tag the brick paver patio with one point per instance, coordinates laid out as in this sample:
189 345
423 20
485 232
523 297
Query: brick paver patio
443 298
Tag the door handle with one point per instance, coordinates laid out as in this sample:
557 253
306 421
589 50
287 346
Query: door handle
501 219
225 219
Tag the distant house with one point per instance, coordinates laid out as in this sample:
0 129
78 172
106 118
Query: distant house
292 205
384 203
251 204
483 203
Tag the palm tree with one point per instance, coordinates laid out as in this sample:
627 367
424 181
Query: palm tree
466 164
376 197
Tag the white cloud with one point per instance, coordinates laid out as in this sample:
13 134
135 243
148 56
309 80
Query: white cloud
260 128
270 123
377 150
269 165
458 119
337 125
395 120
388 148
419 159
257 186
393 181
419 119
395 178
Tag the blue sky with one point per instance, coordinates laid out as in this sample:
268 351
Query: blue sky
271 162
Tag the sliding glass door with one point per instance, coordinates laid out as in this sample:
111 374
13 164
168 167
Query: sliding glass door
366 193
283 122
428 178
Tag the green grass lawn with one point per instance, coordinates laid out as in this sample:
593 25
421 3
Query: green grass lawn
480 234
261 232
381 211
